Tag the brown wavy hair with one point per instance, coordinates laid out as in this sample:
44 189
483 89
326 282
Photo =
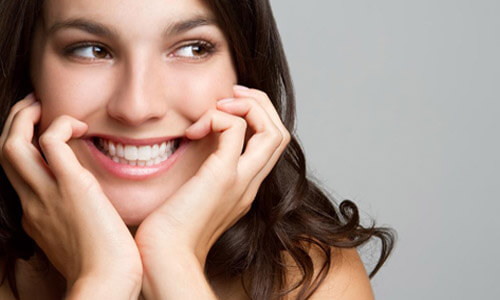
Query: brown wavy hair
290 211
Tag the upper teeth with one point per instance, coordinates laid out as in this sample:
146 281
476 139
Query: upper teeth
141 155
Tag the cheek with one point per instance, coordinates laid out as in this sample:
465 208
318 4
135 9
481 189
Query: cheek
63 90
200 89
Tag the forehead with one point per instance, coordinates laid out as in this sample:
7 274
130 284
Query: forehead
126 16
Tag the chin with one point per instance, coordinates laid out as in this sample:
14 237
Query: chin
133 217
134 206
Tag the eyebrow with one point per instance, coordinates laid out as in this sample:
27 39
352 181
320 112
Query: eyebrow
186 25
100 29
83 24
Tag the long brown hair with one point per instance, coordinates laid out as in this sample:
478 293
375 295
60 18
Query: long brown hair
290 211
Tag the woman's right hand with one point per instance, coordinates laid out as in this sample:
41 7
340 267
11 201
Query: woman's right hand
64 208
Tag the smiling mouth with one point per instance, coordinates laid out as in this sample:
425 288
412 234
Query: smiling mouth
133 155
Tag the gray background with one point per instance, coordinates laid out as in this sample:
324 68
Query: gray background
398 105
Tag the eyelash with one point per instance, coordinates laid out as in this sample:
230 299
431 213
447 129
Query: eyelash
208 47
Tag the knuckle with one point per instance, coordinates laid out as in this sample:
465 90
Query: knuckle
287 137
240 122
26 225
247 208
46 140
31 214
245 204
275 138
11 148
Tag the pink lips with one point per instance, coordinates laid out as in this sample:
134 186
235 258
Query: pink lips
135 172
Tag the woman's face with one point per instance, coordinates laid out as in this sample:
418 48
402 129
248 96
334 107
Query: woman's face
138 73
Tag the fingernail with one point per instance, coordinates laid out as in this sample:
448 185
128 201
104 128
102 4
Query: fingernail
240 87
227 100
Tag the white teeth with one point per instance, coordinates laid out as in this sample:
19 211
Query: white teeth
147 155
155 151
144 153
119 150
112 149
163 147
131 153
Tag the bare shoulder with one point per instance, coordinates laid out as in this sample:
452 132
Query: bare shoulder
347 278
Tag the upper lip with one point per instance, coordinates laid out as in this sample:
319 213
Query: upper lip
136 142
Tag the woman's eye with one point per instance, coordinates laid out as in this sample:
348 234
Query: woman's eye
89 52
196 50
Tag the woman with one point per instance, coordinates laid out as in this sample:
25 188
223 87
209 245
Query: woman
141 165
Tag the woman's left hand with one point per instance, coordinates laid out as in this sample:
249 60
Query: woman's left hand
189 222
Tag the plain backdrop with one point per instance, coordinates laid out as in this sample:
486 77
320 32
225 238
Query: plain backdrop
398 110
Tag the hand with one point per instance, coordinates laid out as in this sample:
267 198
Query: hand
223 189
64 209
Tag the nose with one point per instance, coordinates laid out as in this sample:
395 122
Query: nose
137 98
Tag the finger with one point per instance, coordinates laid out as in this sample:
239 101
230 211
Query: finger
257 118
23 163
263 144
232 133
262 99
27 101
256 181
265 102
53 142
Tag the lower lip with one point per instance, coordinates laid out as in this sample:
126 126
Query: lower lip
136 172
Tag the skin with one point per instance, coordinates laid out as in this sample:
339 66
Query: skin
138 92
148 86
115 238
